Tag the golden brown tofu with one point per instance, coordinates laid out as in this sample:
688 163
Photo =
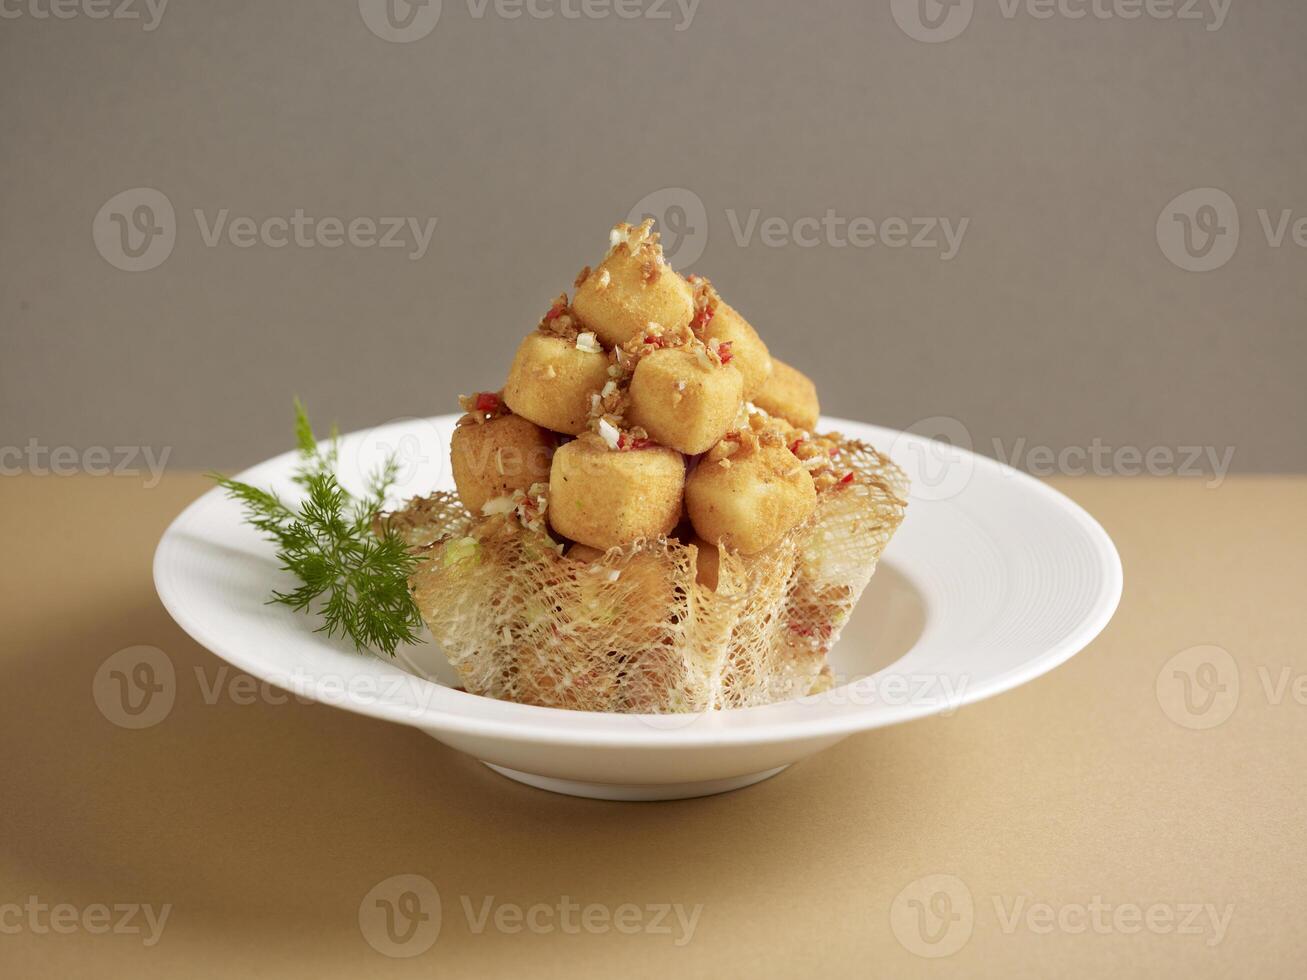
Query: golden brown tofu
493 458
749 355
683 400
551 382
747 499
602 497
791 395
630 289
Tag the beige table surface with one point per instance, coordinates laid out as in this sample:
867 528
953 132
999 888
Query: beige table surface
1092 832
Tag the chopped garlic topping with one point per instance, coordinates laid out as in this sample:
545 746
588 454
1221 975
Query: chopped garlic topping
587 342
498 505
608 432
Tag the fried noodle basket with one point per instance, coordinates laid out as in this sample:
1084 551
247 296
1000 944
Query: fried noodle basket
639 631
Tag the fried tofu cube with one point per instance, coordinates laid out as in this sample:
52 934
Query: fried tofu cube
602 497
551 382
493 458
685 401
748 498
630 289
791 395
749 355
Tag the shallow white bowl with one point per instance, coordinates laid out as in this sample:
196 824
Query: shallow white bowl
992 580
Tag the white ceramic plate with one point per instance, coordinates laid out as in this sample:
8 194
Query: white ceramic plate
992 580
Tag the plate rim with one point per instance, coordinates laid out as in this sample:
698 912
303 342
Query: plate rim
739 726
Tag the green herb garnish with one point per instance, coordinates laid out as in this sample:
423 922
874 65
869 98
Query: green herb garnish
358 580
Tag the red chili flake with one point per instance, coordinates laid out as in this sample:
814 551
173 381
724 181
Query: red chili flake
655 341
724 351
554 313
486 402
794 446
848 478
625 441
703 317
834 453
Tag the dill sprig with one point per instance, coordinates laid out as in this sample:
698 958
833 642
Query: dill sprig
358 580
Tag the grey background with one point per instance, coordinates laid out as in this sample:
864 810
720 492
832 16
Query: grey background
1060 322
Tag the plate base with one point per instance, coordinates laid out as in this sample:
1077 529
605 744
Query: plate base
635 791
